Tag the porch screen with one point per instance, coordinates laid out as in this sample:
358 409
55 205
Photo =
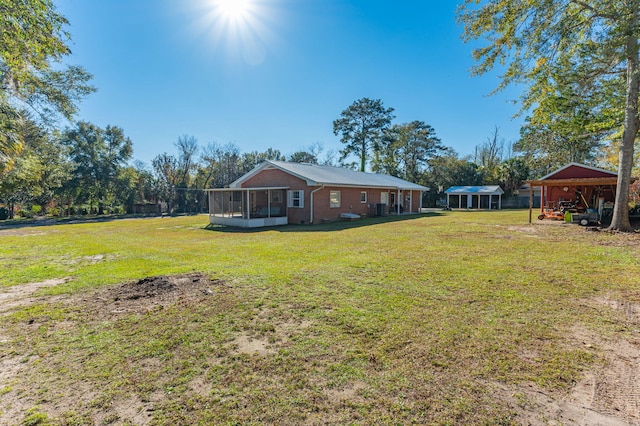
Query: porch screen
227 204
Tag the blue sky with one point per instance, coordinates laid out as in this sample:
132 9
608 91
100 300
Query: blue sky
278 75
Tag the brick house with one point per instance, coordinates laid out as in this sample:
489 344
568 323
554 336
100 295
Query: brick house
280 193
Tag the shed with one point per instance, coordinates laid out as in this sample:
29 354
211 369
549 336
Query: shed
587 187
480 197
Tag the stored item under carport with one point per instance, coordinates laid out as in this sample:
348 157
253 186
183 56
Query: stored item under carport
585 219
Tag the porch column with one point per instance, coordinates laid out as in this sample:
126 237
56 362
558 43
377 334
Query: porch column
530 200
499 201
224 197
248 206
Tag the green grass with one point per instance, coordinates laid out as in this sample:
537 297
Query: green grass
373 322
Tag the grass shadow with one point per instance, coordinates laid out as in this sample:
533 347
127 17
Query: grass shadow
73 220
323 227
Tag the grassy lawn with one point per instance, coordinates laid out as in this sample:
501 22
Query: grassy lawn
425 320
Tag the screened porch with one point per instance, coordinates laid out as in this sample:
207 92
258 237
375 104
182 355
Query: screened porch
248 207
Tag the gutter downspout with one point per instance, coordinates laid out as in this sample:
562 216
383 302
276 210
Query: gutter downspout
311 204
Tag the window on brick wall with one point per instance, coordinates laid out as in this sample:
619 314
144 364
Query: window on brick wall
295 199
334 199
363 197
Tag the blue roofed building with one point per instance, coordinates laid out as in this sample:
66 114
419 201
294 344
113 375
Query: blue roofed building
475 197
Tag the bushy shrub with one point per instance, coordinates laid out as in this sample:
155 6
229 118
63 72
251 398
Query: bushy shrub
55 211
4 213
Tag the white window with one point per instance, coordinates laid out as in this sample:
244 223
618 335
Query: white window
276 196
384 197
295 199
334 199
363 197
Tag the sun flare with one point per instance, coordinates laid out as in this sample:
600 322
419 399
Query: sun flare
240 28
233 9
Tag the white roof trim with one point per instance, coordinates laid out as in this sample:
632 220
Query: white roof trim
258 188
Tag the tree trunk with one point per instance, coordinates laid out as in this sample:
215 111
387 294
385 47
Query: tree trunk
363 155
620 219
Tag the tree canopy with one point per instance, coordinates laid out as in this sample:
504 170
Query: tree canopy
407 149
98 155
40 170
589 45
361 127
32 40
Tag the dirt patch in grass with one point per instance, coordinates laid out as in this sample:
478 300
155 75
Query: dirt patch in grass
249 345
22 396
89 260
21 232
614 388
347 393
607 394
630 310
23 294
150 294
130 410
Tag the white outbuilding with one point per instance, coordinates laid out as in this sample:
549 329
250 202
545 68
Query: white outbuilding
475 197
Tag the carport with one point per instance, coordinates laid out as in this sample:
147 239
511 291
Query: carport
586 186
486 197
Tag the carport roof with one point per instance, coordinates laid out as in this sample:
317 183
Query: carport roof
477 190
577 174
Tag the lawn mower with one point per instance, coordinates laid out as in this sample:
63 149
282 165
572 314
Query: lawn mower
551 214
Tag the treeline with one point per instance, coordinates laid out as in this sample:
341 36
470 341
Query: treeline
86 169
89 170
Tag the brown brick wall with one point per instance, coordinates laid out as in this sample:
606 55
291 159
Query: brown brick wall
275 177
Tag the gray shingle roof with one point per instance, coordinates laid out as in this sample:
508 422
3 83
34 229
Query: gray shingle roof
316 175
